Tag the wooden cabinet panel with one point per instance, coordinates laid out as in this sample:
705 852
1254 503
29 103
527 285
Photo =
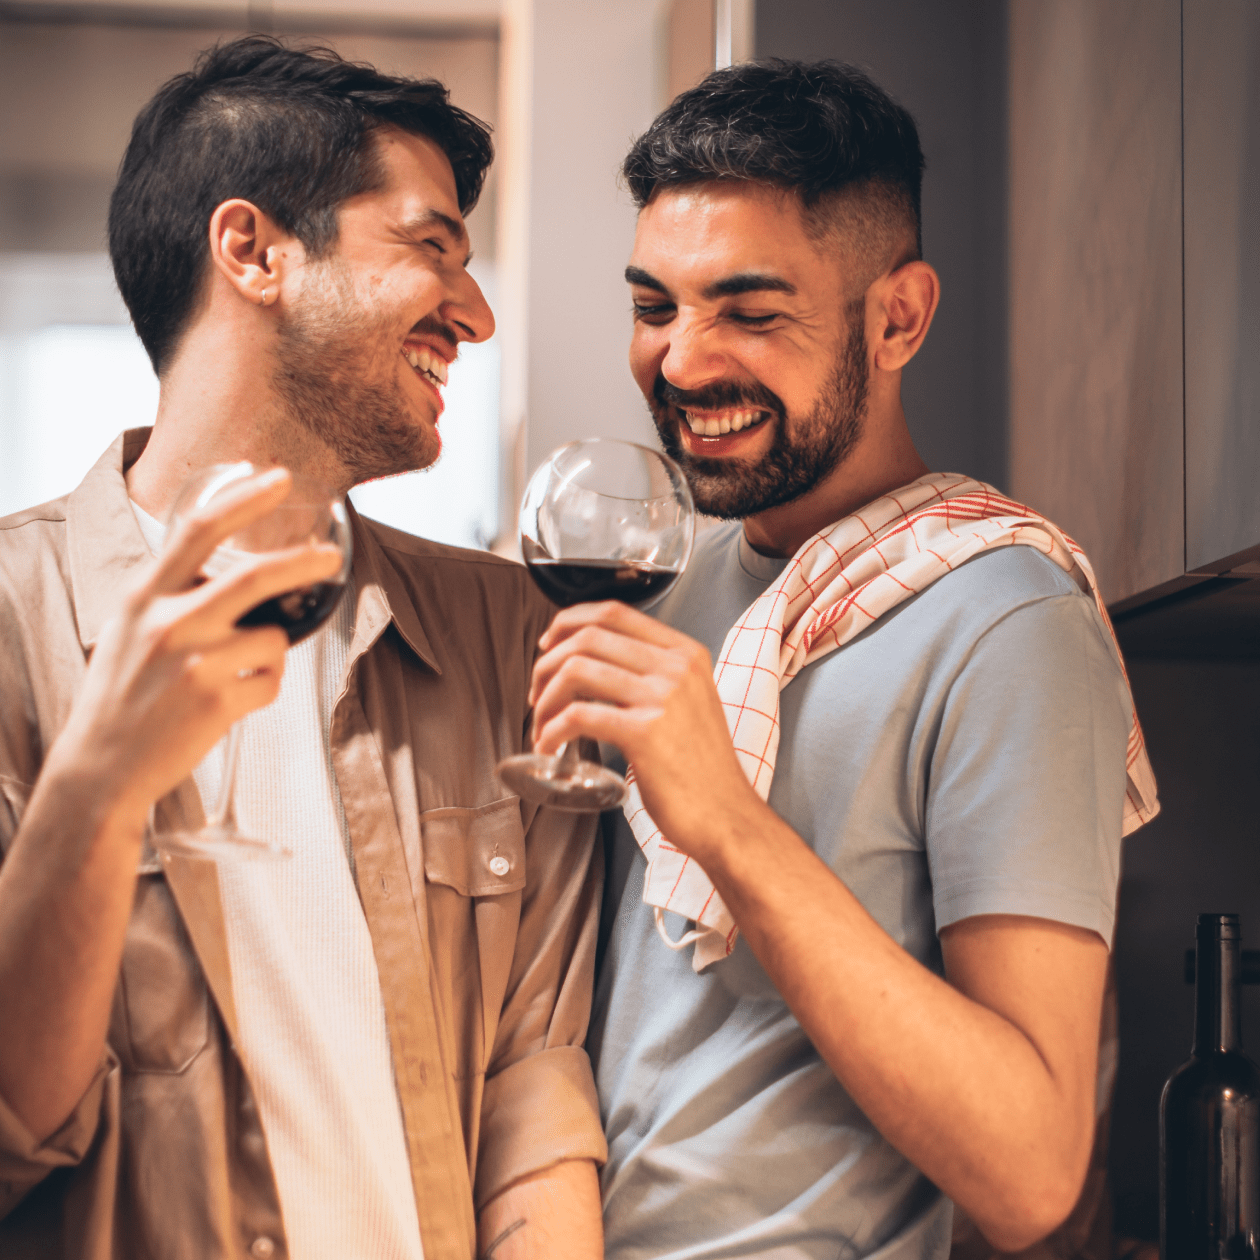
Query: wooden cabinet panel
1095 280
1222 280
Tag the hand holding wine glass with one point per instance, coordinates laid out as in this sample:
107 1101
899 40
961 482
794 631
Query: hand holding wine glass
601 519
309 519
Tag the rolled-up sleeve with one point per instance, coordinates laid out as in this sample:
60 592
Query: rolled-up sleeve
25 1162
540 1106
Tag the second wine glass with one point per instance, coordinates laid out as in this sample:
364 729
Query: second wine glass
601 519
309 516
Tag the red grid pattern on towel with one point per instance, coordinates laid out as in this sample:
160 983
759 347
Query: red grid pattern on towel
894 548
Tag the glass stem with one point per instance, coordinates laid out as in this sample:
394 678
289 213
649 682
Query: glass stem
569 758
224 818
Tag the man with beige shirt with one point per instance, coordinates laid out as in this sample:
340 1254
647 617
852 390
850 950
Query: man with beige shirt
375 1048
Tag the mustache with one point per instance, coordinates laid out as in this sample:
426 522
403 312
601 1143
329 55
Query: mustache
435 326
718 396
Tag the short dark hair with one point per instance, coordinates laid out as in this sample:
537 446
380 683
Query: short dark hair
822 130
288 129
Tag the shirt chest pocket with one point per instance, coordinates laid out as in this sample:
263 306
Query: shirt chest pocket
476 852
161 1019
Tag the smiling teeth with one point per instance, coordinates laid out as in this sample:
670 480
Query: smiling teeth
432 365
729 422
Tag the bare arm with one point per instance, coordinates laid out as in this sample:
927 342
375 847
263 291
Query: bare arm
168 677
985 1083
552 1215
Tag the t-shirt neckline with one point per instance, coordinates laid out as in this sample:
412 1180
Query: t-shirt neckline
764 568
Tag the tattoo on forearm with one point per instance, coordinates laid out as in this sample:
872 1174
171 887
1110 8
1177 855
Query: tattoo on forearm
507 1233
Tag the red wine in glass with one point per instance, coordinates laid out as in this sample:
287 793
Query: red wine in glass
298 613
601 519
581 581
310 515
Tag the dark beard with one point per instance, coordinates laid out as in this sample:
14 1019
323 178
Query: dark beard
337 378
797 461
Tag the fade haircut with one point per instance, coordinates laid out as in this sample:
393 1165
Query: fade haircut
821 130
290 130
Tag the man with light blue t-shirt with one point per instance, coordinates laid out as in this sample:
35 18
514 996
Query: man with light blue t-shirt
881 847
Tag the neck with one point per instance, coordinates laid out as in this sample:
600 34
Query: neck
1218 961
883 459
223 413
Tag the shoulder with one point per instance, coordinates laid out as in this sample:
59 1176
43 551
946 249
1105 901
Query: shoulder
40 652
32 531
32 545
975 600
1007 626
1004 578
410 550
52 512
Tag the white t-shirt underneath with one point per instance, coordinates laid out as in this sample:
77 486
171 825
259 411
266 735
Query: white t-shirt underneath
310 1017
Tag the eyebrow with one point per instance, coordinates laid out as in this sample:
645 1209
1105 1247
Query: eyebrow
729 286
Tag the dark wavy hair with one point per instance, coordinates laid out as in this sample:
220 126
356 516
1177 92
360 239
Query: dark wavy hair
822 130
287 129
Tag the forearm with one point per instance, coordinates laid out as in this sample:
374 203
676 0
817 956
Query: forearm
958 1089
553 1215
66 891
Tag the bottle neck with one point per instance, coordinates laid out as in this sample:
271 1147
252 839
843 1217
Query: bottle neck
1217 991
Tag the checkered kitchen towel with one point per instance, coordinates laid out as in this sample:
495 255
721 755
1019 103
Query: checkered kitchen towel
837 584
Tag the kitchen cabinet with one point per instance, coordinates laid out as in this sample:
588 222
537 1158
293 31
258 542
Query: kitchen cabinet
1221 67
1134 294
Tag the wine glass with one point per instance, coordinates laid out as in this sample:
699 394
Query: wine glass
310 515
601 519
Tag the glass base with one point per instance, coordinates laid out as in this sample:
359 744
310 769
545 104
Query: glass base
220 844
584 787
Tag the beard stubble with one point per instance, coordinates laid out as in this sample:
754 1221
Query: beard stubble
337 376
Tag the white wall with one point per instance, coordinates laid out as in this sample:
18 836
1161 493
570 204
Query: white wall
580 83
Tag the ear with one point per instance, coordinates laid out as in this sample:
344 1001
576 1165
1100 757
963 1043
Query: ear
903 303
250 251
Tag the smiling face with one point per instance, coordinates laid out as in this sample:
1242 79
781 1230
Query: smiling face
365 344
749 351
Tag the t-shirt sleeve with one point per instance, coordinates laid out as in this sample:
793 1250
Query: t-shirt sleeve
1025 796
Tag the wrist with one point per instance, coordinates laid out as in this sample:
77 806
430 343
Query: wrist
90 797
726 839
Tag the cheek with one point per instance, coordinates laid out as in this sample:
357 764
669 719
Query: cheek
408 298
648 347
797 379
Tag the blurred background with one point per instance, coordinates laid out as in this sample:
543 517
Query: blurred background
1089 202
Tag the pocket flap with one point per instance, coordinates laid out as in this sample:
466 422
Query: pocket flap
478 852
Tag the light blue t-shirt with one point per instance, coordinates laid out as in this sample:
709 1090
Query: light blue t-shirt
964 755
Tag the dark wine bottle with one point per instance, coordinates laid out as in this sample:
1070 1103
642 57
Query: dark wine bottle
1209 1117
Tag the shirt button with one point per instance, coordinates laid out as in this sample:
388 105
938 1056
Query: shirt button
499 866
262 1248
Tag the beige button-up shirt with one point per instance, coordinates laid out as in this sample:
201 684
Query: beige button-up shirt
482 910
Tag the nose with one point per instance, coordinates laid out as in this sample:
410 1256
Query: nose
692 360
467 310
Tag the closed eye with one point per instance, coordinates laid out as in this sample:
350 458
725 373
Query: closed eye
648 312
753 321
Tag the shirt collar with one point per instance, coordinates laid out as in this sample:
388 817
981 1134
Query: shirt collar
383 597
107 549
104 542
